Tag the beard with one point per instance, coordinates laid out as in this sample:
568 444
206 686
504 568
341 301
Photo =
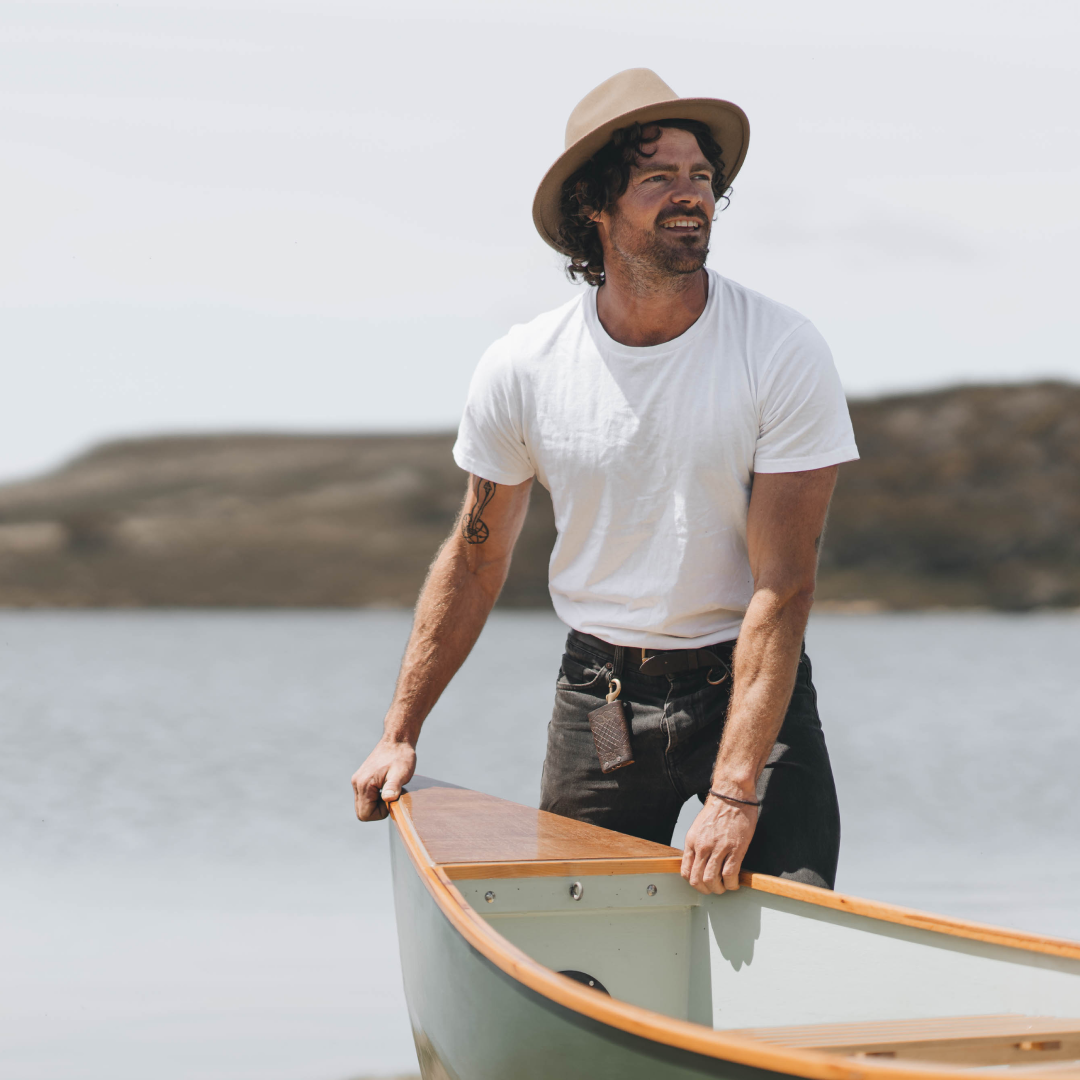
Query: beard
653 254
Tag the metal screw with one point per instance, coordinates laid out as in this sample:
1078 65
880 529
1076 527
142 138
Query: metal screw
577 890
489 896
651 890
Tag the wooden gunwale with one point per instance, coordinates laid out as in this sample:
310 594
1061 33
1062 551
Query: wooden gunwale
922 920
744 1050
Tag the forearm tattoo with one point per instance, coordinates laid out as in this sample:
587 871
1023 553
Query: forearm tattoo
473 527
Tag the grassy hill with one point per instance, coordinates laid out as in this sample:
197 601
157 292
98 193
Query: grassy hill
245 521
964 497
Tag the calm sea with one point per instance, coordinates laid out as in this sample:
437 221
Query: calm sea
185 893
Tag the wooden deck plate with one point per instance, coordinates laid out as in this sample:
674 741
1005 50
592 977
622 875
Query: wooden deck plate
960 1040
460 826
1015 1025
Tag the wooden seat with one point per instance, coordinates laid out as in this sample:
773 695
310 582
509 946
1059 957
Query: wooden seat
1011 1039
472 835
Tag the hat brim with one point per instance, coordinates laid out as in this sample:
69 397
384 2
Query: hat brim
726 121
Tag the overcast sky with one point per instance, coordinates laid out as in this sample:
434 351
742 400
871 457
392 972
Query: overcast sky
316 216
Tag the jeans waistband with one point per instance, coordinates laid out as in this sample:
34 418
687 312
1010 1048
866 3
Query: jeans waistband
661 661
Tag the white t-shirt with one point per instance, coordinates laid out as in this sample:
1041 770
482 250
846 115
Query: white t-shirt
649 454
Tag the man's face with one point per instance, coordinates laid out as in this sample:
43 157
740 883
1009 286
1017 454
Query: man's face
664 217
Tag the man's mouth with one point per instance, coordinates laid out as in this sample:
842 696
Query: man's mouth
683 224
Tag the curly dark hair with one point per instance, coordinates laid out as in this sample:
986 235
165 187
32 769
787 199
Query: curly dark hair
605 176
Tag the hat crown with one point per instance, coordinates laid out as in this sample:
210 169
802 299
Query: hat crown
622 93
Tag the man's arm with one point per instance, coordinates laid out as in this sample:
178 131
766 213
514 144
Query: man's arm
784 525
462 585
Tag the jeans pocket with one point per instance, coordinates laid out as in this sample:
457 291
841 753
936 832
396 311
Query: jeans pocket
581 676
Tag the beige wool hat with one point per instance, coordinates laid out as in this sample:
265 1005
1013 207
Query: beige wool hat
636 95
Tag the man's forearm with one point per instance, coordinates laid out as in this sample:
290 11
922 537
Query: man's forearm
461 588
454 604
783 530
766 660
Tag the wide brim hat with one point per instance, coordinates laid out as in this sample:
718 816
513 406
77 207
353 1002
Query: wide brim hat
638 95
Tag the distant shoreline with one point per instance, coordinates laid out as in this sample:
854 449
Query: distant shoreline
965 499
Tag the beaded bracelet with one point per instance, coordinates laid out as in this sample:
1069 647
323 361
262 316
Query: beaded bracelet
731 798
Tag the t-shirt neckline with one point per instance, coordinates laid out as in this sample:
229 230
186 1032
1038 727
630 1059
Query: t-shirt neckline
607 344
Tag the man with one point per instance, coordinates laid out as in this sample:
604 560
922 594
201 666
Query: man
689 432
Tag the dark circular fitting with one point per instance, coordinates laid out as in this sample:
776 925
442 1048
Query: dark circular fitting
588 980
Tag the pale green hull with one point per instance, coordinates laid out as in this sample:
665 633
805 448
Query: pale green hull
745 959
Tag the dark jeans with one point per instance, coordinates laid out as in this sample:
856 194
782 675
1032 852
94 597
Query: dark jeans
677 724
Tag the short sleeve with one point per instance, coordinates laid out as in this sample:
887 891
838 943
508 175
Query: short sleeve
804 422
490 440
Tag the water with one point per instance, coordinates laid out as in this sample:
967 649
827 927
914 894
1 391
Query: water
185 892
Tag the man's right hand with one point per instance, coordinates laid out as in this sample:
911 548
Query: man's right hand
380 779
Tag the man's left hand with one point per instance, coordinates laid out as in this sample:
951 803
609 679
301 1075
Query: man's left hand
716 845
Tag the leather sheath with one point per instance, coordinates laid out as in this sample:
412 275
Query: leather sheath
610 726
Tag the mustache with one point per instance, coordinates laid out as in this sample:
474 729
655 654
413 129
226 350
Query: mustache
695 214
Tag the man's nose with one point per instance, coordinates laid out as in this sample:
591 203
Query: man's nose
686 192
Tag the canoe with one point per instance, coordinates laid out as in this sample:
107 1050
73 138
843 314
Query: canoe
534 947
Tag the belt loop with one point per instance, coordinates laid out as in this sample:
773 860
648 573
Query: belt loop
616 669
